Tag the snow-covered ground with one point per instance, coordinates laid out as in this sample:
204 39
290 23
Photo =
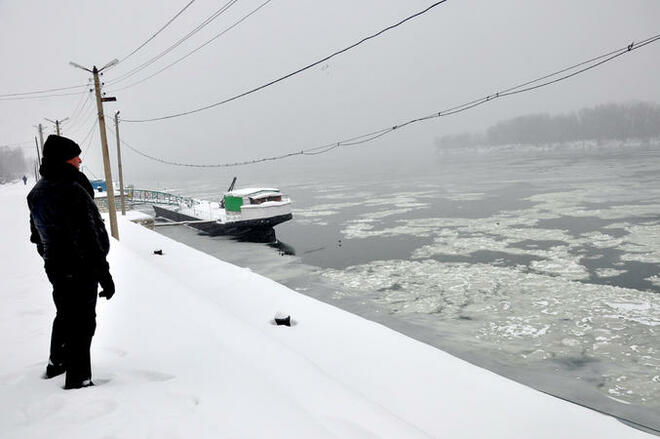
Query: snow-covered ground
187 348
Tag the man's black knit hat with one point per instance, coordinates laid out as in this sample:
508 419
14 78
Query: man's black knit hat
60 149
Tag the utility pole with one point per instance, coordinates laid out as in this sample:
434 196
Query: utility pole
112 211
36 143
121 177
57 123
41 137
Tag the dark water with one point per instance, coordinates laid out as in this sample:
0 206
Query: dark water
544 268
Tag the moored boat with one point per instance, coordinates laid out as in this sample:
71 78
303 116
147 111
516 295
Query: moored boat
241 212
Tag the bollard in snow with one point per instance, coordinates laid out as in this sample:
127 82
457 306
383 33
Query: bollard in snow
282 319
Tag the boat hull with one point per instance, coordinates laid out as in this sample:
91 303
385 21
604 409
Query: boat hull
234 228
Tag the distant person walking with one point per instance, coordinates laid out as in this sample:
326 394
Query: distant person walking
24 180
71 237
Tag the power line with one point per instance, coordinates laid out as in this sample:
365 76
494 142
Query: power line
78 106
23 98
245 17
88 169
159 31
78 109
146 64
78 114
50 90
371 136
89 136
282 78
91 139
83 121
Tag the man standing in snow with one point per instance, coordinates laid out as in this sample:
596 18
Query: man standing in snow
71 237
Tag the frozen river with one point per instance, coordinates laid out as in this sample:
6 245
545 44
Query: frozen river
541 266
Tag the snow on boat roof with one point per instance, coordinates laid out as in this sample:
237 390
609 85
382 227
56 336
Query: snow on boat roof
251 190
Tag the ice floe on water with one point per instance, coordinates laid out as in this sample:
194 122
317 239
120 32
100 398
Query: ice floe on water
341 193
323 209
643 242
524 317
465 196
608 272
380 214
602 240
521 283
313 213
542 231
647 313
567 267
365 227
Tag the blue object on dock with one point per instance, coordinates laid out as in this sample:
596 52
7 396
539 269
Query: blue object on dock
99 185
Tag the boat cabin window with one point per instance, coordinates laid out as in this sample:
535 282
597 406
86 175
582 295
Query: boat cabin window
260 200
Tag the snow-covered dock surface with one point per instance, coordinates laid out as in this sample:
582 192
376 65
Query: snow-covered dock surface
187 348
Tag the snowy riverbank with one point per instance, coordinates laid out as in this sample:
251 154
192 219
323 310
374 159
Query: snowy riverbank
187 348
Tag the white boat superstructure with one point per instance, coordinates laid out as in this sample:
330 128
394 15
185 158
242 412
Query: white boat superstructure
240 211
255 203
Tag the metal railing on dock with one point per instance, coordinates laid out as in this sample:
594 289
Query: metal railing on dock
144 196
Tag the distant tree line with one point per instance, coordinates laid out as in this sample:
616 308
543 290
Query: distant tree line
604 122
13 164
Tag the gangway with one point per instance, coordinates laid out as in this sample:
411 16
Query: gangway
145 196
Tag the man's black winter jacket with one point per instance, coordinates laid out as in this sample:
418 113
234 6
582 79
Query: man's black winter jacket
66 224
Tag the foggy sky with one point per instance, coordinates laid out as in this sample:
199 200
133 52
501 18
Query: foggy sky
461 50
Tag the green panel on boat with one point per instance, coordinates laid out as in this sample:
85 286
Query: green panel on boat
233 204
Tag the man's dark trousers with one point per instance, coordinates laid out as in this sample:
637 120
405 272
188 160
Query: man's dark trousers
74 325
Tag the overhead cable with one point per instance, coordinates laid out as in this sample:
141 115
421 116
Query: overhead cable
245 17
86 169
300 70
91 139
83 121
23 98
89 136
528 86
146 64
159 31
78 109
49 90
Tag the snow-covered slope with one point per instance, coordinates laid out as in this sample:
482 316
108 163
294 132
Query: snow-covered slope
187 348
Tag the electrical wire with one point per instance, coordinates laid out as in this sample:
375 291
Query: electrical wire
91 140
88 169
81 116
158 32
289 75
371 136
146 64
23 98
78 109
50 90
83 122
89 136
245 17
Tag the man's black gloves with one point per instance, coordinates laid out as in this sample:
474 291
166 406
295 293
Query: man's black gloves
107 285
